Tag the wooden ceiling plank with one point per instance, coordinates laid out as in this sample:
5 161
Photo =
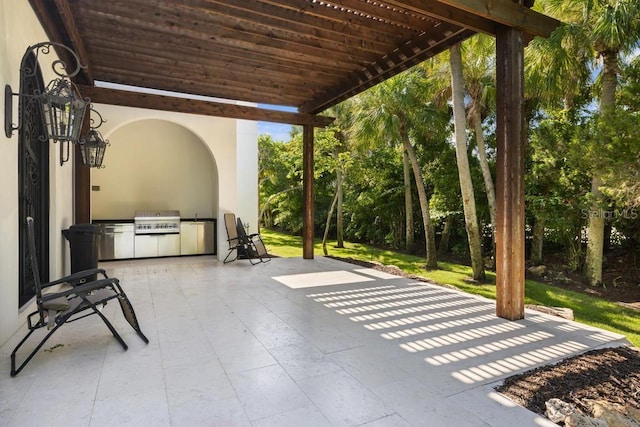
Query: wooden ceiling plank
147 43
230 90
112 52
110 96
335 19
378 12
284 37
188 73
299 28
249 44
509 13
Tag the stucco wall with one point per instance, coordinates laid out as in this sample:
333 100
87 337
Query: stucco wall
155 165
19 28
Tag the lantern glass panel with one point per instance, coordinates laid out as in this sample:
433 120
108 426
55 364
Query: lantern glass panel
92 149
63 109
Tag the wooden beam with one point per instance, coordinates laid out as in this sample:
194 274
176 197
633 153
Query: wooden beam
110 96
447 14
508 13
82 180
510 174
308 196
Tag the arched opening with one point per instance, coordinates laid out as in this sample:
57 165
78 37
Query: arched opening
154 164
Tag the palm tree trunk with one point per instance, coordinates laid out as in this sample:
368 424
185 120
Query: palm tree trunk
537 241
408 202
329 215
464 172
429 234
486 172
595 232
339 220
446 233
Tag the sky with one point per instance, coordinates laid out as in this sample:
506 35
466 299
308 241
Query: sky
278 131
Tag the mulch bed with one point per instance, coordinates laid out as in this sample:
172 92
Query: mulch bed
610 374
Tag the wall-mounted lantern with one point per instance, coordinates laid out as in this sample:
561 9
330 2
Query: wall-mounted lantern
61 104
93 145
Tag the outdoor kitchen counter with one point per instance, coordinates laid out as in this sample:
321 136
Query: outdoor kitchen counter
198 236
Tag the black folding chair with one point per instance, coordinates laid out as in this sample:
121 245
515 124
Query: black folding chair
79 295
250 247
253 243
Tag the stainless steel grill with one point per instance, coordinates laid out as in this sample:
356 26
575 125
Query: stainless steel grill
157 222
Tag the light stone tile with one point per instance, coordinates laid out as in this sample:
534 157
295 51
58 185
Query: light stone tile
149 407
309 416
276 334
303 360
206 379
121 380
418 402
201 410
343 400
394 420
496 409
267 391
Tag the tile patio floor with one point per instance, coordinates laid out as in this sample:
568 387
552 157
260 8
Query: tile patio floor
289 343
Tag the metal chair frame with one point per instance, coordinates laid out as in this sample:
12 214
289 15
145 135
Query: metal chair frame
85 297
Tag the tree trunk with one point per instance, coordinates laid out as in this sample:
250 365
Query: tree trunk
486 172
595 232
429 234
446 233
408 203
339 219
329 215
466 185
537 241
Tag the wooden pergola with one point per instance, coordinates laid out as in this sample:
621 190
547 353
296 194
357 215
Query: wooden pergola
309 54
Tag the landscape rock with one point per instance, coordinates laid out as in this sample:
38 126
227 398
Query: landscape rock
558 410
616 415
565 313
538 270
578 419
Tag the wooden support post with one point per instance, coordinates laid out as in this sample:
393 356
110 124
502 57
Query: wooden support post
82 180
308 196
510 174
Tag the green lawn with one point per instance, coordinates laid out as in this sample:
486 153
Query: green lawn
586 309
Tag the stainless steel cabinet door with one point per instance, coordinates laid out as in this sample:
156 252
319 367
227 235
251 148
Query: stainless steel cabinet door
168 244
146 246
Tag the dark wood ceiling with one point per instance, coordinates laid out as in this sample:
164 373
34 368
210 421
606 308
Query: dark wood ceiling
309 54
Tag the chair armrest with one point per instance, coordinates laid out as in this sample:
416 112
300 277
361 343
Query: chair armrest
77 277
82 289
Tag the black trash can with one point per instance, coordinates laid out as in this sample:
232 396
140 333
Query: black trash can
84 240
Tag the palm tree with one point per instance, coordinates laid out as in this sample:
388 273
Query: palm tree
478 57
608 28
464 172
387 111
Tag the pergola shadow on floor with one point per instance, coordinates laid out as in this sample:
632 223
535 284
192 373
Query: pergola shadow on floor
287 343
